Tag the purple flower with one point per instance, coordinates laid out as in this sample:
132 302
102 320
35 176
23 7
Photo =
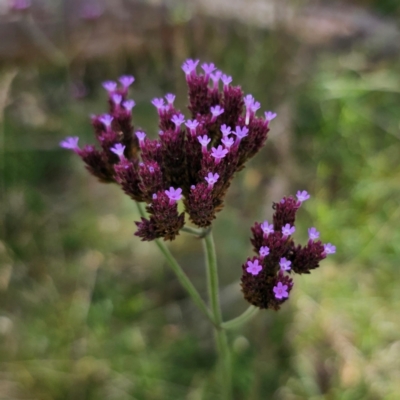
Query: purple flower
218 153
217 110
288 230
302 196
110 86
118 149
240 133
170 98
204 140
208 68
248 100
158 103
116 98
267 228
174 194
226 79
189 66
253 268
313 234
269 115
227 141
154 197
140 135
226 130
285 264
178 120
329 248
264 251
192 125
255 106
215 77
20 4
106 119
129 104
126 80
70 143
280 291
211 179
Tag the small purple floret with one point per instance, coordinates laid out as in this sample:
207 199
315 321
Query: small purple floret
211 179
174 194
204 140
255 106
269 115
248 100
216 111
302 196
218 153
106 119
192 125
118 149
313 234
288 230
267 228
280 291
227 141
158 103
189 66
178 120
208 68
110 86
129 104
215 77
226 130
253 268
70 143
140 135
170 98
241 132
126 80
329 248
116 98
285 264
226 79
264 251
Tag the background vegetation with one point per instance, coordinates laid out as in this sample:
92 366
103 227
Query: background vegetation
87 311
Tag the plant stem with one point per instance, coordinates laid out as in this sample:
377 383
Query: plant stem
220 335
193 231
241 319
181 275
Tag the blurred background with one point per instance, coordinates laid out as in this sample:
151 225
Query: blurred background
87 311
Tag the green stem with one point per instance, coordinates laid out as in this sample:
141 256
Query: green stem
241 319
193 231
182 277
220 335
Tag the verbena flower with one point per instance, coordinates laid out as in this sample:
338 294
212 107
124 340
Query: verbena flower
272 285
147 168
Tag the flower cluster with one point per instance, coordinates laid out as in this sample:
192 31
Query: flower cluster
194 159
266 281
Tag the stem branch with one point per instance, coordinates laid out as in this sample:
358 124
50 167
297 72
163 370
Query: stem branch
241 319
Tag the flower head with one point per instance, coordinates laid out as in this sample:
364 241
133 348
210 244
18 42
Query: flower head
285 264
174 194
302 196
211 179
280 291
253 268
313 234
218 153
267 228
226 79
126 80
178 120
118 149
288 230
264 251
329 248
110 86
129 104
70 143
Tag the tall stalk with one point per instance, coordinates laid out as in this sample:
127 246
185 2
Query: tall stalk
219 333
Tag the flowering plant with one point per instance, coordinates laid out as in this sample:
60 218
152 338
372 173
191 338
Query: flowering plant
195 160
